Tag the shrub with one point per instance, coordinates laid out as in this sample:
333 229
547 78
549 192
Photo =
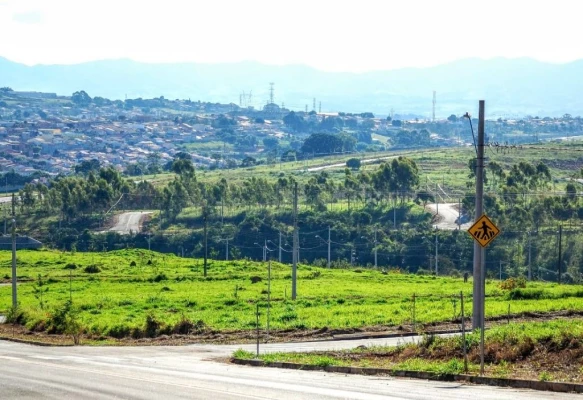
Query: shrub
64 319
15 316
70 266
255 279
133 264
526 294
512 283
159 278
152 326
92 269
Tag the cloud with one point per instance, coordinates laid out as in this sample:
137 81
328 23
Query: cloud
31 17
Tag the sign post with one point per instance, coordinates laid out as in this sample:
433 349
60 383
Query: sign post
483 231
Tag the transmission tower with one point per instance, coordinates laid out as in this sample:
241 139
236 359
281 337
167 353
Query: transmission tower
314 105
271 92
434 101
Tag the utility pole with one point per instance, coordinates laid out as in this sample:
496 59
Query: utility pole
436 253
459 218
500 271
529 259
478 298
14 292
205 220
560 251
279 258
264 250
295 245
375 248
329 246
395 213
227 250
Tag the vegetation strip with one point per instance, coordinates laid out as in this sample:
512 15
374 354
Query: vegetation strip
506 382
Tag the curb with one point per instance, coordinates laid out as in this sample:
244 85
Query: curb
480 380
33 342
380 335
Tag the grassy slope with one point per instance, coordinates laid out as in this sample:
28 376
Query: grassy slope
120 297
549 350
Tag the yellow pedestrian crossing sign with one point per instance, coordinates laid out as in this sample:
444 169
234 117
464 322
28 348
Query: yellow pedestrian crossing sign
484 231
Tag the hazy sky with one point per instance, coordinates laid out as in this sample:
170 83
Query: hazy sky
344 35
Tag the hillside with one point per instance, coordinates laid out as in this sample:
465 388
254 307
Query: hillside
511 86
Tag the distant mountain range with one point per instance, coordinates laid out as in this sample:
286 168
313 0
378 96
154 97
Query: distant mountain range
511 87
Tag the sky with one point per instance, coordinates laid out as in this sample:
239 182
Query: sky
337 35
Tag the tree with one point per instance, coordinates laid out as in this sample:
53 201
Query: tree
270 142
183 167
322 143
81 98
295 122
396 123
571 191
6 89
353 163
248 162
87 166
452 118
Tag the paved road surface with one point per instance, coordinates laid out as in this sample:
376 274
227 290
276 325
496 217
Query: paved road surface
5 199
343 165
447 217
129 221
192 372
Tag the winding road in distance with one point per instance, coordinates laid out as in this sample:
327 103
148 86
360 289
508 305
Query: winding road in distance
200 372
130 221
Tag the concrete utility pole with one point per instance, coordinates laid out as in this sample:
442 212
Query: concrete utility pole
529 259
560 251
375 248
329 246
14 292
205 220
436 253
478 298
279 258
295 245
227 250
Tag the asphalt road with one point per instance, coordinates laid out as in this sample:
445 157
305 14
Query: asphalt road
193 372
5 199
447 216
129 222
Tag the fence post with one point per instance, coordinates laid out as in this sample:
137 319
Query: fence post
508 313
414 321
464 332
257 327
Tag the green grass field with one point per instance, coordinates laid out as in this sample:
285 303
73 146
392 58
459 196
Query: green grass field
118 298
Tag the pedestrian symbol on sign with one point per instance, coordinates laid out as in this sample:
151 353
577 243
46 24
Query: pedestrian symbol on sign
484 231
